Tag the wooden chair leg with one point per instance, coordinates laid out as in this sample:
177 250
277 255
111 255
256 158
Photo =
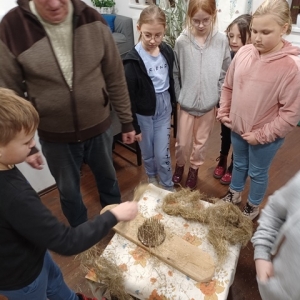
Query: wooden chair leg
138 154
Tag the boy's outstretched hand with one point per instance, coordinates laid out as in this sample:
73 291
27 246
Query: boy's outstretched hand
264 269
125 211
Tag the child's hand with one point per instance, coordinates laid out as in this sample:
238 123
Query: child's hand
227 122
264 269
138 137
250 138
125 211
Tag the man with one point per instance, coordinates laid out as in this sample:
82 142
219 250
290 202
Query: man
61 55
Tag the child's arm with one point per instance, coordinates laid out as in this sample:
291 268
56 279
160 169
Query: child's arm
281 204
176 74
225 66
131 85
34 223
226 94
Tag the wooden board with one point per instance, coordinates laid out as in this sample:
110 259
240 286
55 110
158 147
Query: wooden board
174 251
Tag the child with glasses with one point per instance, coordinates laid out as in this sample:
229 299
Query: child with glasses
260 101
202 58
149 74
238 34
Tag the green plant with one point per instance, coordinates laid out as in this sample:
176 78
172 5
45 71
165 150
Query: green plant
103 3
176 15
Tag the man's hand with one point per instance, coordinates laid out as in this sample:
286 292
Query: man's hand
35 161
250 138
128 137
264 269
227 122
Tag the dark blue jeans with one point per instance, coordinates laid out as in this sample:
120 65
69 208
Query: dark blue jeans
48 285
64 161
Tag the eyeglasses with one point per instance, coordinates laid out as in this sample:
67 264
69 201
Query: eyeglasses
148 37
205 22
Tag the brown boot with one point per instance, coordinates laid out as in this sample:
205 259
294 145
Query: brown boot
192 178
177 176
221 167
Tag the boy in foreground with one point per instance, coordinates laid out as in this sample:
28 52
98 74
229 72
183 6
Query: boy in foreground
27 227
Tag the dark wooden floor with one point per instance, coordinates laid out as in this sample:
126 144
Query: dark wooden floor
285 165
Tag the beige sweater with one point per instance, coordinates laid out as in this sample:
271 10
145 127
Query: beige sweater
66 114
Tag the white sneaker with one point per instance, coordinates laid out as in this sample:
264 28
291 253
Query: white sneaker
251 211
232 197
153 180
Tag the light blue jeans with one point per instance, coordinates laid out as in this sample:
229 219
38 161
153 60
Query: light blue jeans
155 144
49 284
252 161
64 161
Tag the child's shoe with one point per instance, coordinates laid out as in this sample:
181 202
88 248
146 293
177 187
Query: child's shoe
177 176
169 188
153 180
192 178
226 179
233 197
251 211
221 167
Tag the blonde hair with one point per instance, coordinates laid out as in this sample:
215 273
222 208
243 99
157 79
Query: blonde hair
209 6
16 114
277 8
150 15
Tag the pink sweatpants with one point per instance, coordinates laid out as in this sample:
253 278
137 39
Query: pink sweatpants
196 129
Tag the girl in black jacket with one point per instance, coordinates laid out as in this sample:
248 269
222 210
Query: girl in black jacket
149 75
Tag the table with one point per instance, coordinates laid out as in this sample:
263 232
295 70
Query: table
146 277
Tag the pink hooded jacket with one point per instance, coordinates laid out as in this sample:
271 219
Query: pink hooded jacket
262 93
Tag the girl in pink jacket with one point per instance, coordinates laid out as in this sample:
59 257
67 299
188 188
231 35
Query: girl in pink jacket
260 101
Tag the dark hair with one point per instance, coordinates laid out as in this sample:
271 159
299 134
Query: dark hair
243 22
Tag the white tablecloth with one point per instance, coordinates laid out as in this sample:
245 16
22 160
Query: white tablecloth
146 277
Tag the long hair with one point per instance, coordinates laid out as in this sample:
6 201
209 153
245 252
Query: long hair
152 14
243 22
209 6
277 8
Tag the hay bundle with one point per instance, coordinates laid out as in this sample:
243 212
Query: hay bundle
151 233
107 274
226 223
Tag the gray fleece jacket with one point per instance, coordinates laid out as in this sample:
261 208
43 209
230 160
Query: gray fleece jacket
278 234
199 72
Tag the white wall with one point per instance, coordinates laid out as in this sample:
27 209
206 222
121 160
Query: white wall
6 5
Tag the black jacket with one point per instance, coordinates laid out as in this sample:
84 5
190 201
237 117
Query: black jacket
140 86
28 228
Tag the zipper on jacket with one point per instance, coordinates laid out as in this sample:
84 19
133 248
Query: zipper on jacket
70 88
